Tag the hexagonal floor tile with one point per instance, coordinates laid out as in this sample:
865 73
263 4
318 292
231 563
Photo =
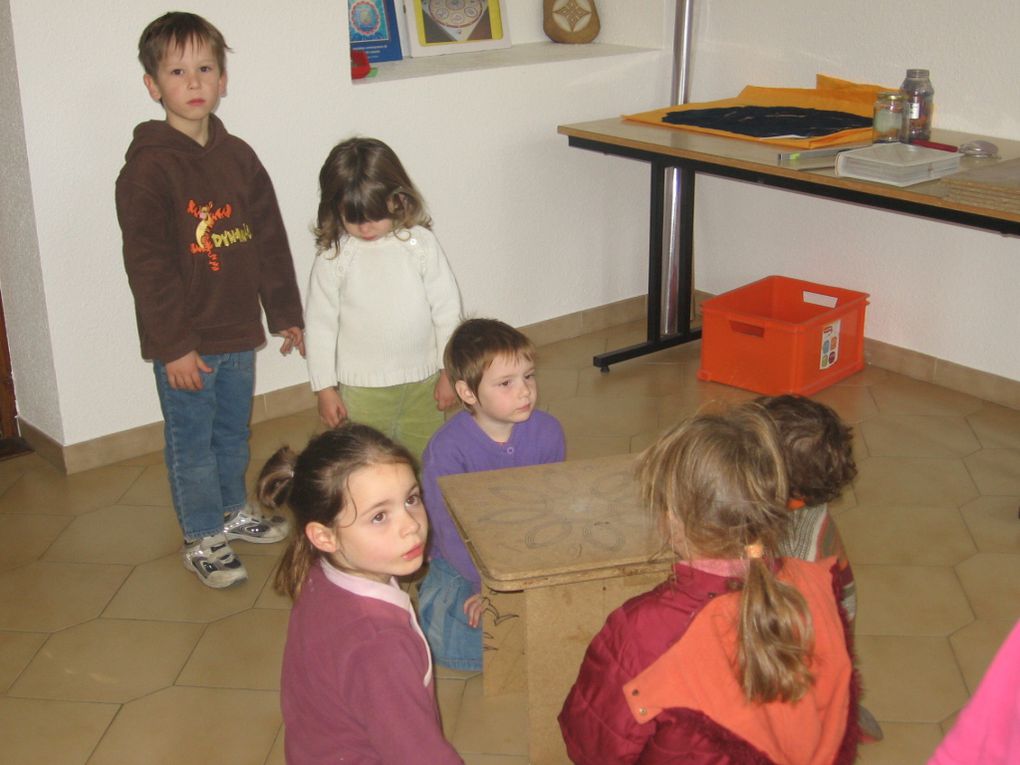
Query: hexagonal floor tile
108 660
190 725
910 600
46 597
118 534
992 584
893 534
905 435
241 651
910 679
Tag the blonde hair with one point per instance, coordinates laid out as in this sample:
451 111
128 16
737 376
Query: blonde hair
314 484
720 480
363 180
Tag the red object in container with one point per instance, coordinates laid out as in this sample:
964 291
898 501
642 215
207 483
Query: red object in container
781 335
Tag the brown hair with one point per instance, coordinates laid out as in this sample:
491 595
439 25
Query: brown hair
363 180
176 29
719 481
476 342
817 446
314 484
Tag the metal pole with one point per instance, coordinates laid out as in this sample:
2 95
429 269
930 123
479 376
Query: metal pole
671 220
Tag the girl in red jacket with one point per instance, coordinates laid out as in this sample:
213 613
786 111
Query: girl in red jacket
741 656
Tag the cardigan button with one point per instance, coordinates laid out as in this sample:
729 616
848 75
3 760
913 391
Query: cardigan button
634 692
642 711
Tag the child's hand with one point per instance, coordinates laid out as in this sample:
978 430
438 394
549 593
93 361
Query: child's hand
331 407
184 373
444 394
473 608
293 338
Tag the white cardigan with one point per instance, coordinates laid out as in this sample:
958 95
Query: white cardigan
380 313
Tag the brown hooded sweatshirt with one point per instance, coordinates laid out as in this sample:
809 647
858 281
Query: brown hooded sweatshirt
204 243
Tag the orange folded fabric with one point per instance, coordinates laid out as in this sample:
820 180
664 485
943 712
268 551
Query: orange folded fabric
829 94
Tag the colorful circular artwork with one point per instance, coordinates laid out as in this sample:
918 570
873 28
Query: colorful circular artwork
456 13
365 18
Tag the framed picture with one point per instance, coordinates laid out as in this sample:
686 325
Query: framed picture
435 27
374 29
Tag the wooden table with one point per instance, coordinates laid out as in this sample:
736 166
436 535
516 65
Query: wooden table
558 547
695 153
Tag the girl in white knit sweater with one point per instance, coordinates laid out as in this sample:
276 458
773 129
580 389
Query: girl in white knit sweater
382 301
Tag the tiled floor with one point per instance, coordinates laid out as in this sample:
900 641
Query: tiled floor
111 653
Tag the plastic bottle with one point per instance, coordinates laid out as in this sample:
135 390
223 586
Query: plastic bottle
920 106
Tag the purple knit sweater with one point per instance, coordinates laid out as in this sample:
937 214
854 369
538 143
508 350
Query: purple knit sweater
460 446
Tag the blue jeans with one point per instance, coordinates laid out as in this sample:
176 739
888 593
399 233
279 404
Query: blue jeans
441 595
206 434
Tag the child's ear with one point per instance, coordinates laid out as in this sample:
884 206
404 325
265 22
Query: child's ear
153 88
464 392
322 537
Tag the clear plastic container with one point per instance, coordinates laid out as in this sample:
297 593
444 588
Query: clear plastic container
890 107
920 99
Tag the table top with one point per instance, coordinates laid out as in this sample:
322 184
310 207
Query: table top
756 157
553 524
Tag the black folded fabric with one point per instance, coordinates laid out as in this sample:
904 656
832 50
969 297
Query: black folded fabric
769 121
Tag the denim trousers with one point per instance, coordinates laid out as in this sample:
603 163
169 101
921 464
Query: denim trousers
206 434
441 595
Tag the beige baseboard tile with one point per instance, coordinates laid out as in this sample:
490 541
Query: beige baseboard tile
145 439
42 444
984 385
589 320
286 401
918 366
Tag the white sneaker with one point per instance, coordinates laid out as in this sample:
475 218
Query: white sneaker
212 560
249 526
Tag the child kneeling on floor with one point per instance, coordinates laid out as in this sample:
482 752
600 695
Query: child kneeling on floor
357 681
492 367
818 450
740 656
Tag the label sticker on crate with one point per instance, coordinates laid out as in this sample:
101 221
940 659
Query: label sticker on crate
830 345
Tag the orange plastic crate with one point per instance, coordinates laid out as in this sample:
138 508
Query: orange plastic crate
781 335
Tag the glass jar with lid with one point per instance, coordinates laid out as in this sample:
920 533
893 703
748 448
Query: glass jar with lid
890 111
920 106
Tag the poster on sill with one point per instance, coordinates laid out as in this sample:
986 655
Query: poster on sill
374 29
456 26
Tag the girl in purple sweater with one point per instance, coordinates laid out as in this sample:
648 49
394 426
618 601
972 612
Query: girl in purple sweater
357 680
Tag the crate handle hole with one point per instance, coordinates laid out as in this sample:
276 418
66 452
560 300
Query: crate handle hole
747 329
816 298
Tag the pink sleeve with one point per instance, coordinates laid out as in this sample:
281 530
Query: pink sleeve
987 731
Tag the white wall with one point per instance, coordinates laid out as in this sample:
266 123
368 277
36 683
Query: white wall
533 229
936 288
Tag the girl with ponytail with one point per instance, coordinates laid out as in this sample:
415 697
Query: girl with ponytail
741 656
357 681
